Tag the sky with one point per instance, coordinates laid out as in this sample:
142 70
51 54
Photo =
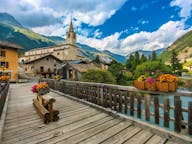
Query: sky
120 26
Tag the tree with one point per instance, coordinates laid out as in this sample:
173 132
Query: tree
99 76
97 60
154 56
129 63
175 65
143 58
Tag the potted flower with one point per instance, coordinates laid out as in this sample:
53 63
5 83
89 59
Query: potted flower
140 82
150 84
167 82
40 88
4 79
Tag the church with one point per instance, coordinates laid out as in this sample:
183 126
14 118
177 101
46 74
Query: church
66 52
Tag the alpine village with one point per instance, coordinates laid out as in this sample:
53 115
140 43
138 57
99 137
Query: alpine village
65 88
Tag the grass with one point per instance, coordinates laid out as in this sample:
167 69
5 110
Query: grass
31 34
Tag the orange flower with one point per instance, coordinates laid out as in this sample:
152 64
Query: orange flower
42 85
168 78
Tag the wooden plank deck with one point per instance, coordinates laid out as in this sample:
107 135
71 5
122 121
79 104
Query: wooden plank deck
78 123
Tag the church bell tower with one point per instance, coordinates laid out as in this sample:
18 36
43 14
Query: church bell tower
71 35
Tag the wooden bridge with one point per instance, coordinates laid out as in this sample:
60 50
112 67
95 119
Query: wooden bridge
92 122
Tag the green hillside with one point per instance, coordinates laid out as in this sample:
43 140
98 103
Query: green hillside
23 37
181 46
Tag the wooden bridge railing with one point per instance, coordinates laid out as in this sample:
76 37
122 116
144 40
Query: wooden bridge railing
4 87
145 105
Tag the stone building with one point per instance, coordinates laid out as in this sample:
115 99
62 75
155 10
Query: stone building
65 52
9 60
45 66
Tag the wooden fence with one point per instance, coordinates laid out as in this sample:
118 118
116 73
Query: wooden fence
145 105
4 87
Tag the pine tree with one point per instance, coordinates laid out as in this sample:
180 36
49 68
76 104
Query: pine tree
154 56
175 65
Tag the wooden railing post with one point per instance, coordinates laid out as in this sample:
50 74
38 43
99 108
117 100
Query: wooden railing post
139 106
131 104
120 101
166 112
177 114
156 109
147 107
125 102
101 95
190 118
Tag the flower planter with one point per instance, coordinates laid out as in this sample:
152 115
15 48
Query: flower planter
43 91
139 85
151 86
167 87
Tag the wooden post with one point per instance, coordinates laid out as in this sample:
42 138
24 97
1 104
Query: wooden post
139 106
115 101
190 118
110 98
147 107
156 109
177 114
166 112
120 101
101 95
131 104
125 102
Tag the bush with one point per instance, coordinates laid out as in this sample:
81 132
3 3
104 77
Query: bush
151 68
99 76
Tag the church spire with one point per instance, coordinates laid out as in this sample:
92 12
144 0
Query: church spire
71 26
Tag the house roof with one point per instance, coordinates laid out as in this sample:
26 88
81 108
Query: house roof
49 55
9 45
84 67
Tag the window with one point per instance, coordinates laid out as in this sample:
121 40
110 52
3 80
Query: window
2 53
58 53
41 69
47 59
25 69
4 64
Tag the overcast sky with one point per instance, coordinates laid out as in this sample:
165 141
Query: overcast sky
120 26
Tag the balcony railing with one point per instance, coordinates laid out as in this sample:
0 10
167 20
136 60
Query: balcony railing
169 110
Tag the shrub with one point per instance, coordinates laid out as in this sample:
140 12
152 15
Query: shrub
99 76
151 68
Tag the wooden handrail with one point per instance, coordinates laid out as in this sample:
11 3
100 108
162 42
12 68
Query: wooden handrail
131 101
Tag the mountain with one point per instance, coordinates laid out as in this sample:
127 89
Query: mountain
147 53
12 31
8 19
117 57
182 46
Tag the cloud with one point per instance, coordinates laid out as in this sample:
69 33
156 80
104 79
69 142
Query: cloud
34 13
185 5
162 38
133 8
143 22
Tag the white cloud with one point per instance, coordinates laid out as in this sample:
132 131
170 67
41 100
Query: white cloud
185 5
91 12
162 38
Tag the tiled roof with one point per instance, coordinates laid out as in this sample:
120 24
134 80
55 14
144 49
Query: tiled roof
9 45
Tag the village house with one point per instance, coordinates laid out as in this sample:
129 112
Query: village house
73 71
45 66
9 60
